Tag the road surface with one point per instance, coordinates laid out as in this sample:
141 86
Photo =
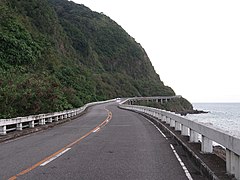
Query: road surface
105 143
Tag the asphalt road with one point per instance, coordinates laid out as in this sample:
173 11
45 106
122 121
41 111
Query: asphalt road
105 143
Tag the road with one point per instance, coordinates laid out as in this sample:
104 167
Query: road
105 143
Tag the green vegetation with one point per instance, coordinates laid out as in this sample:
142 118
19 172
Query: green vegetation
57 55
178 105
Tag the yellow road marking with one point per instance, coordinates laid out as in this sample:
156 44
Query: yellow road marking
106 121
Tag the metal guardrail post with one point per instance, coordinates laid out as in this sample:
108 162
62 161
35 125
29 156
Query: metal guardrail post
56 119
31 124
50 120
3 130
19 127
42 121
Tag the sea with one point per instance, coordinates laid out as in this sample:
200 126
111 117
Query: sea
222 116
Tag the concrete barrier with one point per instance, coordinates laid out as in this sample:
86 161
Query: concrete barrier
20 123
193 129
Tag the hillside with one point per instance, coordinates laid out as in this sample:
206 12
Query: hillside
56 55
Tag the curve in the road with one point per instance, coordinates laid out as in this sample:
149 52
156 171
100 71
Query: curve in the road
129 147
64 149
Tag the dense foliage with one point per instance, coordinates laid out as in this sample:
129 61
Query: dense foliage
56 55
177 105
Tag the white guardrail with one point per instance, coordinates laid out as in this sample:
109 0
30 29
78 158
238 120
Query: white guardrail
159 99
193 129
19 123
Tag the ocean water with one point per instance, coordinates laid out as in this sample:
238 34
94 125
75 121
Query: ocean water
223 116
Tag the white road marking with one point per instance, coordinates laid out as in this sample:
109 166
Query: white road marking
181 163
96 130
55 157
174 151
157 128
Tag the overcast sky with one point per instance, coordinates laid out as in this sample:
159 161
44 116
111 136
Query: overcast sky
193 45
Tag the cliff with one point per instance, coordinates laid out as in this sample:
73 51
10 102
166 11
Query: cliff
56 55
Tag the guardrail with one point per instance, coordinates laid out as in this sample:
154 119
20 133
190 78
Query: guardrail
194 129
20 123
160 99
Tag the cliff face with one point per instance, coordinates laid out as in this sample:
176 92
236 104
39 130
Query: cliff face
56 55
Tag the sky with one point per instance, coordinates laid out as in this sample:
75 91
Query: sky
193 45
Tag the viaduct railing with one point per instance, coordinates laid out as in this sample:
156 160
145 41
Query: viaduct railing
193 129
20 123
160 99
